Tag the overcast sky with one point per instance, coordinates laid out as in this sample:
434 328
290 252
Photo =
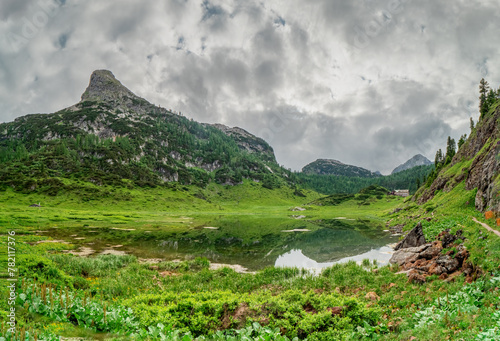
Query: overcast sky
366 82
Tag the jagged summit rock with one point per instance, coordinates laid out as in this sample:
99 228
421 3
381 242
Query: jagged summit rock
104 86
417 160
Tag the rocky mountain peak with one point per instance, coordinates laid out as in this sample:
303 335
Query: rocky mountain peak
417 160
104 86
335 167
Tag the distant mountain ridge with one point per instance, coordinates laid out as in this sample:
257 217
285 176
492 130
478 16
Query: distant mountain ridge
417 160
335 167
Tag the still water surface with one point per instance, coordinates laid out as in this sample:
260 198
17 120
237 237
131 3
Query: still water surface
245 240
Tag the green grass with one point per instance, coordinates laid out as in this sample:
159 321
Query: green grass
190 298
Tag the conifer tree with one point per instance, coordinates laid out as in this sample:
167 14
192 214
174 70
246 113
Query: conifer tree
471 124
438 159
450 150
462 140
483 97
491 98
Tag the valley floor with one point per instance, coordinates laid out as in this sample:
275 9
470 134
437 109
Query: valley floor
119 296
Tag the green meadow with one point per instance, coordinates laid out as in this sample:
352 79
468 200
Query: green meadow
131 296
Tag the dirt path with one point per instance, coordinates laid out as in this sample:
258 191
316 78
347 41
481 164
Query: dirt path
487 227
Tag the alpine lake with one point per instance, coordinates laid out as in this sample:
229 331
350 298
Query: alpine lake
247 242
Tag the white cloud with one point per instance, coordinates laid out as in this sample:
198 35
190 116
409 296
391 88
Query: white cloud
369 83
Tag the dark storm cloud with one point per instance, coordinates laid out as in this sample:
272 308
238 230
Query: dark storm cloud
370 82
14 8
63 40
210 10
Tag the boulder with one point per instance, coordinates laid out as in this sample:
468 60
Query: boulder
397 229
447 239
408 255
415 277
436 269
428 259
372 296
414 238
451 264
430 252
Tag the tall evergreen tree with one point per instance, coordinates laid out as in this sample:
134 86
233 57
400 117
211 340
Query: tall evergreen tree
438 160
483 96
450 150
471 124
491 98
462 140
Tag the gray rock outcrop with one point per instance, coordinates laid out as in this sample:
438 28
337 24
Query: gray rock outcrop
429 259
414 238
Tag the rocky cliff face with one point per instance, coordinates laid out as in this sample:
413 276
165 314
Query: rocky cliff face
417 160
247 141
477 163
483 149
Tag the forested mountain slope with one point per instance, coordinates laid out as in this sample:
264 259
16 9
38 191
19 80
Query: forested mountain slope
114 137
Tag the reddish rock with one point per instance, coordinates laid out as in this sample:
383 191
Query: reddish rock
489 215
422 265
426 260
467 268
335 310
415 277
462 254
372 296
168 274
451 264
436 269
430 252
